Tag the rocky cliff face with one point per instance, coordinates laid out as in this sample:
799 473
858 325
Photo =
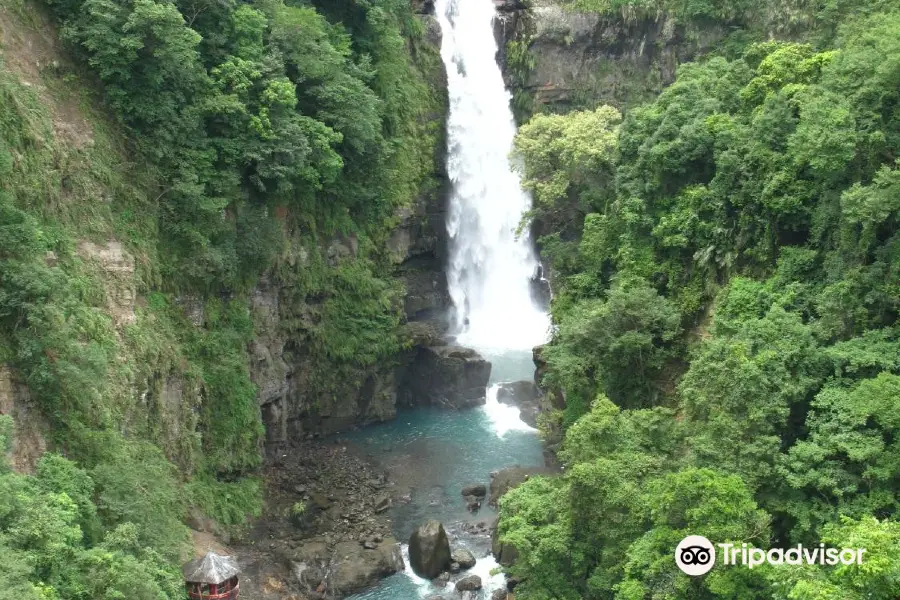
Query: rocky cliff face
300 390
301 396
577 59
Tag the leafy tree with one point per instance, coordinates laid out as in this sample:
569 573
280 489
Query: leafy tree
136 485
741 270
622 343
568 163
848 462
877 577
695 502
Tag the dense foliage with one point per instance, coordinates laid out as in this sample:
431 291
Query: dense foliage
52 539
245 108
222 142
727 260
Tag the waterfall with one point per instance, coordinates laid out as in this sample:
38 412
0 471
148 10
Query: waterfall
490 277
491 267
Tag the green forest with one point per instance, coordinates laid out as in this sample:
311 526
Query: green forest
727 278
224 141
725 261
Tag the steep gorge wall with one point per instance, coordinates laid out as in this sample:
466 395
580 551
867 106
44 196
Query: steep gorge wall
299 394
158 339
563 59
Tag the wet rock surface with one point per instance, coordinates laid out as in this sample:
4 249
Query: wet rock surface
469 583
474 495
463 558
475 489
356 567
446 376
429 550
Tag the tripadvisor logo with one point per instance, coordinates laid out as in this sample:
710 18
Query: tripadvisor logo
696 555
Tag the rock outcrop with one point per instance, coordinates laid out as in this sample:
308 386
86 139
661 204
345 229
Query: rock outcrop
506 479
446 376
28 443
299 393
117 266
611 59
429 550
290 380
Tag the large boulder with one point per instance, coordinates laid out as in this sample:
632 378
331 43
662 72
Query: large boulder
429 550
355 567
475 489
469 583
462 557
446 376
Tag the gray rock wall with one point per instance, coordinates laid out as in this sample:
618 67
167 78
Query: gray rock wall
585 59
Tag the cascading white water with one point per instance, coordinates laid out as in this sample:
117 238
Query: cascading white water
490 270
490 266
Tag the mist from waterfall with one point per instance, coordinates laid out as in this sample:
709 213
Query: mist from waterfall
491 267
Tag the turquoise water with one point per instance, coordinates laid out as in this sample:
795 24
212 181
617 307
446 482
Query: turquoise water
431 454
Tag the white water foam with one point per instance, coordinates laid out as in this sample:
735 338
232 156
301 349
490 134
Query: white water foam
425 588
485 567
490 265
503 417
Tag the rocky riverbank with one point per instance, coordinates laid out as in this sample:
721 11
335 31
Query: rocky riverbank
324 532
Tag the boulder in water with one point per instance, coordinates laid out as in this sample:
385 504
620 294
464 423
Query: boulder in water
463 557
476 489
429 550
517 392
524 395
469 583
446 376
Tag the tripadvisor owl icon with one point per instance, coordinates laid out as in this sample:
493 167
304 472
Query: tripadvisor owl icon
695 555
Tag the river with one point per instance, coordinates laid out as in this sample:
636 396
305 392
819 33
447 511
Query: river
431 454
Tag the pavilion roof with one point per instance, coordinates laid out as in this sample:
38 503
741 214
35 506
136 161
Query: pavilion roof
212 568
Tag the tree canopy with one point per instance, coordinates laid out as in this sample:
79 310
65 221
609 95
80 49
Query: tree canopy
726 325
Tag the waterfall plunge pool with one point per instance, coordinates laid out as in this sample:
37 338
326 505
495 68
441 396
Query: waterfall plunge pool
431 454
